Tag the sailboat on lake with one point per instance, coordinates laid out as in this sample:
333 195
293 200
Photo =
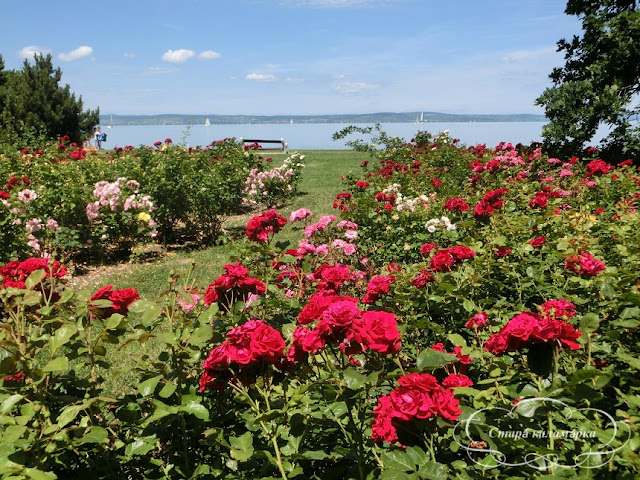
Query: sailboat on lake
420 119
207 123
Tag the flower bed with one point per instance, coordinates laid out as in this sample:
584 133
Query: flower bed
64 201
377 347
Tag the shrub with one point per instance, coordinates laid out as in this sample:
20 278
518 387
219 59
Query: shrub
504 347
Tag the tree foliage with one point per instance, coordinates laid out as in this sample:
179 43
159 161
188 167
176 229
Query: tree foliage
32 99
599 82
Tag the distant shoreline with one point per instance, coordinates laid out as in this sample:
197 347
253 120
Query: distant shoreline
370 119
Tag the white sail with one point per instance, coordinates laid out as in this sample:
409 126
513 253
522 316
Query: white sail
207 122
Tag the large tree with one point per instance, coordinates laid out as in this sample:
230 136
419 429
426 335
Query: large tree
599 83
32 98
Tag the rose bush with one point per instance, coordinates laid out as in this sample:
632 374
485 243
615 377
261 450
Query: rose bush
122 199
372 348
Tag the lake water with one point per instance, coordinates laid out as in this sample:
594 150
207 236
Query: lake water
317 136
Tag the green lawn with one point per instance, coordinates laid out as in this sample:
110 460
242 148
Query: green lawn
319 186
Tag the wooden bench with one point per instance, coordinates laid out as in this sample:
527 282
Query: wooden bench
283 147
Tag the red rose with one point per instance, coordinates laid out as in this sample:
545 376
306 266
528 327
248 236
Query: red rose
122 299
442 261
426 248
491 202
237 270
410 402
378 286
261 226
421 280
382 428
312 341
448 406
421 381
559 308
502 252
539 200
462 359
266 343
378 331
454 380
456 204
538 241
53 269
477 321
497 344
315 307
341 314
550 330
584 264
461 252
102 294
521 326
598 167
218 358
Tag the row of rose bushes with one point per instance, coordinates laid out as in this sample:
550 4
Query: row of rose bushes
62 200
331 360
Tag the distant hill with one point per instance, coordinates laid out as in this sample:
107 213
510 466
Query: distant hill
368 118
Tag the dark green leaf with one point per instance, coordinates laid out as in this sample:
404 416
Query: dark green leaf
57 364
432 359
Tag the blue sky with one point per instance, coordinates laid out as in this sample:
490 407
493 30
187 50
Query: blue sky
294 56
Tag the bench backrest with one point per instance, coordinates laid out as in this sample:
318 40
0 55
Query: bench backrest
283 146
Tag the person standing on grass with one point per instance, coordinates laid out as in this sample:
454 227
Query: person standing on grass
99 137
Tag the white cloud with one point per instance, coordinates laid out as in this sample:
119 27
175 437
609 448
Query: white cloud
261 77
129 55
76 54
209 55
177 56
352 88
159 70
520 55
294 80
31 50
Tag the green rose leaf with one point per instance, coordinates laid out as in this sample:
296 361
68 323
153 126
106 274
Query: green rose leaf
35 278
114 321
13 433
167 390
9 402
354 380
36 474
589 323
62 336
147 387
140 446
241 447
398 461
95 435
432 359
209 314
196 409
58 364
201 335
68 414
